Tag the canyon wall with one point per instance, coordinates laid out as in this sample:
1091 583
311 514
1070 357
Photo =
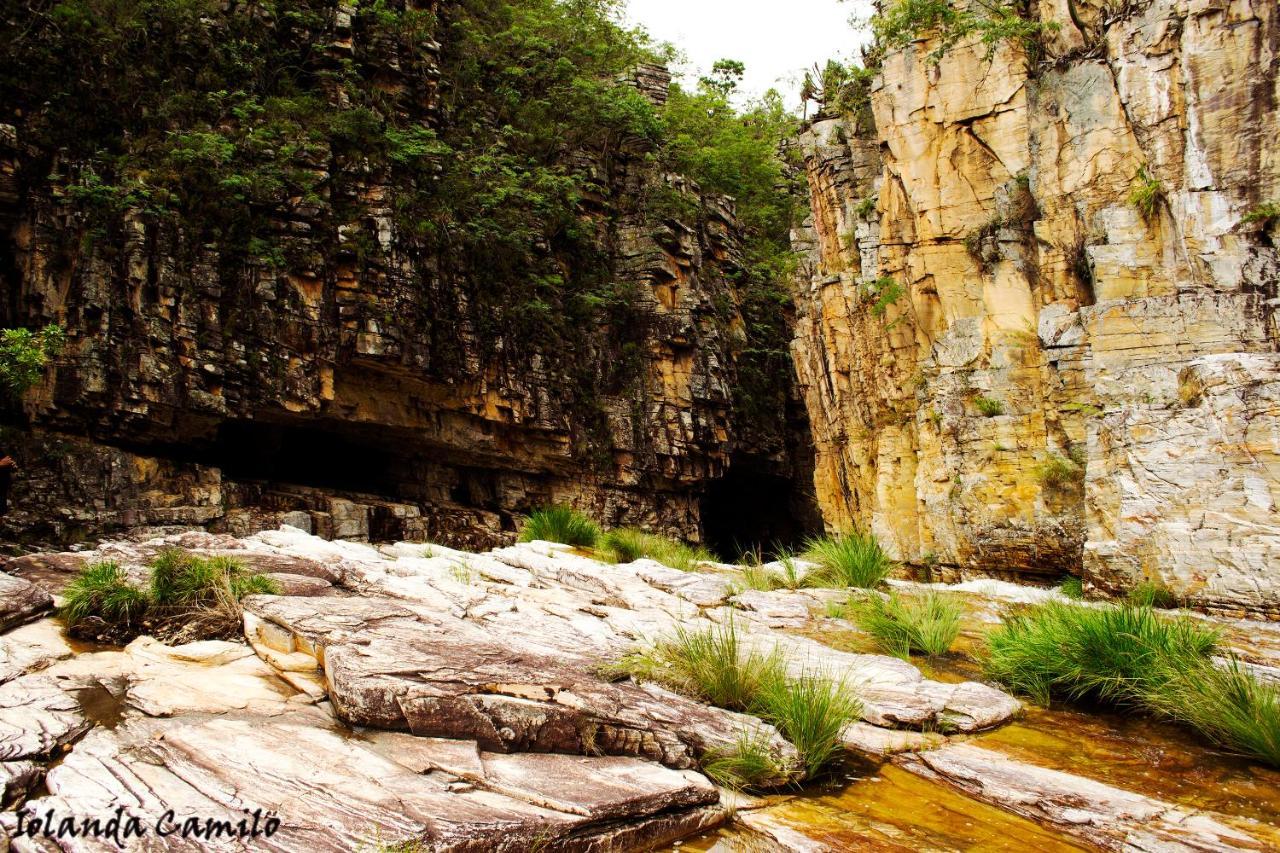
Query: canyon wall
339 377
1037 329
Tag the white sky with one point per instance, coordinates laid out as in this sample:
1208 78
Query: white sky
776 40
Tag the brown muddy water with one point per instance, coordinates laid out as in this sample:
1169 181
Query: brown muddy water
873 805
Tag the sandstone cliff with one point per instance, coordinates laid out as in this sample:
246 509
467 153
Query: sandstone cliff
343 374
1036 324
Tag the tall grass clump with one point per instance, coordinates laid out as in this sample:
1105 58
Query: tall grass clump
715 666
1129 656
188 597
760 576
928 624
560 524
628 544
1072 587
749 763
851 560
102 591
812 712
1152 594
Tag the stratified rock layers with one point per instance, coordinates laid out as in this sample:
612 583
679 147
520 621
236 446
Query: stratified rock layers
1067 382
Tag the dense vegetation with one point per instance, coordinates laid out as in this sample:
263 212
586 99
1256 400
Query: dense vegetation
24 355
231 121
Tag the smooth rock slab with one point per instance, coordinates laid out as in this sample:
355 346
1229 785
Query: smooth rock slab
331 792
20 601
32 647
441 677
1111 818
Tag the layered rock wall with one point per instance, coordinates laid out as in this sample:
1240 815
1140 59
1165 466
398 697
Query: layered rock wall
1010 365
203 385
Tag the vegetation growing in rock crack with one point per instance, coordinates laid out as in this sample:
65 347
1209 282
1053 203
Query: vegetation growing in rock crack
188 597
24 355
1059 471
1129 656
760 576
717 666
1266 213
927 623
849 560
749 763
560 524
1146 194
989 407
628 544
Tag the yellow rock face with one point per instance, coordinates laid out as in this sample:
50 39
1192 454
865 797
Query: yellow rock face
1007 329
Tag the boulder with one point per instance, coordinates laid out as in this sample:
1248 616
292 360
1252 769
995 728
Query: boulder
20 601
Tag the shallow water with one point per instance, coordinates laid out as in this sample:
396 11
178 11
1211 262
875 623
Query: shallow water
885 808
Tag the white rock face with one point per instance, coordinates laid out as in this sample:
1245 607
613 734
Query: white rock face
1186 494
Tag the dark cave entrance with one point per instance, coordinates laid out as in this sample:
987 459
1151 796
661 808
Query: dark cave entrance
313 456
751 509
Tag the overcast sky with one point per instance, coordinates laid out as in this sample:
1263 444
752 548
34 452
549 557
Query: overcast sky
777 39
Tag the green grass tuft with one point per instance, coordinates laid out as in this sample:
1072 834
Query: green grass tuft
560 524
1129 656
103 591
1152 594
1072 587
928 624
852 560
749 764
1058 471
628 544
812 712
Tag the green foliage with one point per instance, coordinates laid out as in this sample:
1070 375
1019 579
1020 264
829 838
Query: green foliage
1129 656
1106 654
629 544
852 560
715 666
102 590
757 576
749 764
1151 593
988 406
1072 587
842 90
994 23
1059 471
1266 213
1146 194
928 624
881 293
560 524
185 591
24 355
812 712
867 206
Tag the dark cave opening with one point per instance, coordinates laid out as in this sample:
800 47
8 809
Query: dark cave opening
306 456
750 509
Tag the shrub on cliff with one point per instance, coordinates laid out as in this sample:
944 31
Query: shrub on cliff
24 355
189 597
560 524
1130 657
994 22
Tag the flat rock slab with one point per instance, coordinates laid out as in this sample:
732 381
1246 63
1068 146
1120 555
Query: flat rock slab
32 647
436 676
50 572
334 793
21 601
1108 817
